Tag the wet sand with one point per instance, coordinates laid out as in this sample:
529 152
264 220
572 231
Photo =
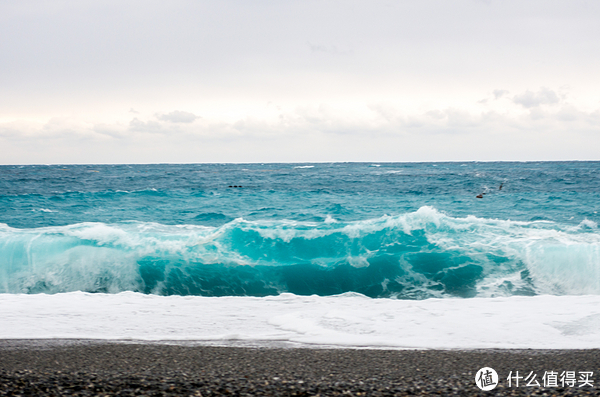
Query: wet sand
89 368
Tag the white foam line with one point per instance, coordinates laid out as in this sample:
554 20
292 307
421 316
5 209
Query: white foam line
350 320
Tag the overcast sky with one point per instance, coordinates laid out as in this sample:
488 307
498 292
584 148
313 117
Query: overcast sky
298 80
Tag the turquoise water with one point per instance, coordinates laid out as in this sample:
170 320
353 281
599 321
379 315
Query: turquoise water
405 230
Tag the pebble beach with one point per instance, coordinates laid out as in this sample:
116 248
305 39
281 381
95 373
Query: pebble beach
98 368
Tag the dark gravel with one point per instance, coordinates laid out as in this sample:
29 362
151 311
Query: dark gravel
86 368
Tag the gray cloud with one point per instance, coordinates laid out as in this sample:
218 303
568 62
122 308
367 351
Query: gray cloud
531 99
178 116
10 132
499 93
109 130
153 127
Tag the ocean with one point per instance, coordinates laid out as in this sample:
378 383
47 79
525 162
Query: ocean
348 254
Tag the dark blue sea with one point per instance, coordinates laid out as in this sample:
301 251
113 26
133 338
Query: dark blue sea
399 230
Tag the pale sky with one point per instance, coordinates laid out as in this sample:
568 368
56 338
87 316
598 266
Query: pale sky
193 81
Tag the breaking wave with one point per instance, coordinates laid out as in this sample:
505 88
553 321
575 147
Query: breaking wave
411 256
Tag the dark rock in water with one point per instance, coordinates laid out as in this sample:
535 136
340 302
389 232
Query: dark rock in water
212 218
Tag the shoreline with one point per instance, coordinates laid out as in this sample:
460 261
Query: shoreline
79 367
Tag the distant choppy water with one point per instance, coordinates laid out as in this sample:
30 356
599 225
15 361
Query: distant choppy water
405 230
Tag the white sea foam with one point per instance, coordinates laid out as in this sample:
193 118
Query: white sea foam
349 320
330 219
587 224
